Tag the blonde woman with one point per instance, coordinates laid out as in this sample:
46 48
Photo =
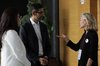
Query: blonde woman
88 44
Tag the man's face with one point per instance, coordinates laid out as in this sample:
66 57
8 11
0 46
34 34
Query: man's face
40 14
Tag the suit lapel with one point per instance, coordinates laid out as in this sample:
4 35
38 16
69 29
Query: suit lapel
41 30
32 30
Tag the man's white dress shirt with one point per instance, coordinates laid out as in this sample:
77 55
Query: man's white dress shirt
36 27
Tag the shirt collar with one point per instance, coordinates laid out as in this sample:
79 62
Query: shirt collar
33 21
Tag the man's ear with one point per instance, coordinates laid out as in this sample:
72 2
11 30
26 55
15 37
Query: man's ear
33 12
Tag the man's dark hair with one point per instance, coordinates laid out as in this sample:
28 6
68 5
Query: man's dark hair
36 6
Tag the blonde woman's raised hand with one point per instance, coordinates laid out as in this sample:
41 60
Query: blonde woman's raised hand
63 36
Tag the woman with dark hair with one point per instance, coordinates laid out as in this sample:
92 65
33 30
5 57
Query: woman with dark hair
13 52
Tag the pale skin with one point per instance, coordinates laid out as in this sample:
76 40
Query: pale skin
43 61
36 16
18 19
83 25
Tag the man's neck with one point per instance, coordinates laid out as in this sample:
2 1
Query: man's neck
35 20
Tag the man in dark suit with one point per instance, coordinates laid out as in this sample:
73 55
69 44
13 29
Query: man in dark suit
35 36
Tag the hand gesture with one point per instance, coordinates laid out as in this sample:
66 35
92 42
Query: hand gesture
63 36
43 61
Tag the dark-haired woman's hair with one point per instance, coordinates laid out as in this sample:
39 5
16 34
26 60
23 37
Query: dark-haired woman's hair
8 21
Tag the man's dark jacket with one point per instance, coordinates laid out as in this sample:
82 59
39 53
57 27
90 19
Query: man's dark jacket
30 40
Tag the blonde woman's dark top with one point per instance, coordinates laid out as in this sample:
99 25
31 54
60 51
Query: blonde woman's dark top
87 47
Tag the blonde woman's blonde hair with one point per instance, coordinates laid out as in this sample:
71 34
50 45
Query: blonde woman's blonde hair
91 21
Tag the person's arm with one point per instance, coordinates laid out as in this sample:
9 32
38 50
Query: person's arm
17 47
48 46
22 34
30 51
69 43
93 48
